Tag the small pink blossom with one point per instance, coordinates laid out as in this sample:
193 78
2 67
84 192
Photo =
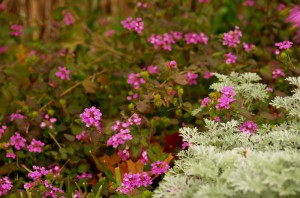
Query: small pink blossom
5 186
124 154
3 49
192 78
248 127
185 145
205 101
144 157
2 130
134 96
226 99
10 155
35 146
136 80
284 44
131 181
270 89
177 35
81 136
85 175
217 119
110 33
17 141
91 116
153 69
247 47
195 38
172 64
249 3
277 73
68 18
159 167
17 115
232 38
208 75
63 73
47 122
230 58
142 5
130 24
16 30
294 16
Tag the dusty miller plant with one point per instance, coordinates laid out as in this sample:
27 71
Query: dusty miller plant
223 162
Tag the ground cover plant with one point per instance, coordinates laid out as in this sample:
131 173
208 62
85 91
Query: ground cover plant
162 98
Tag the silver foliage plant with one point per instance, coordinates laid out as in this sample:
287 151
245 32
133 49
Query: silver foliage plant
223 162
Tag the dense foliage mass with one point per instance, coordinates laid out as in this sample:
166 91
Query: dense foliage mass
99 104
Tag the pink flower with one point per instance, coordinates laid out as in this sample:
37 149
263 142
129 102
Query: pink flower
37 172
131 181
5 186
3 49
35 146
10 155
281 7
63 73
231 38
217 119
17 141
119 138
277 73
130 24
2 130
135 80
195 38
91 117
294 16
185 145
124 154
208 75
47 122
134 96
249 3
247 47
142 5
159 167
172 64
177 35
16 30
144 157
85 175
248 127
81 136
68 18
17 115
110 33
284 44
153 69
230 58
226 98
192 78
205 101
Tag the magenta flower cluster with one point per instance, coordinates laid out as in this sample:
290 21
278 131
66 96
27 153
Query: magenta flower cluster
232 38
248 127
17 115
166 40
294 16
124 154
277 73
91 117
123 131
63 73
47 122
37 173
283 46
68 18
205 101
5 186
2 130
208 75
131 181
130 24
144 157
153 69
195 38
17 141
159 167
192 78
35 146
230 58
16 30
226 98
248 47
85 175
135 80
